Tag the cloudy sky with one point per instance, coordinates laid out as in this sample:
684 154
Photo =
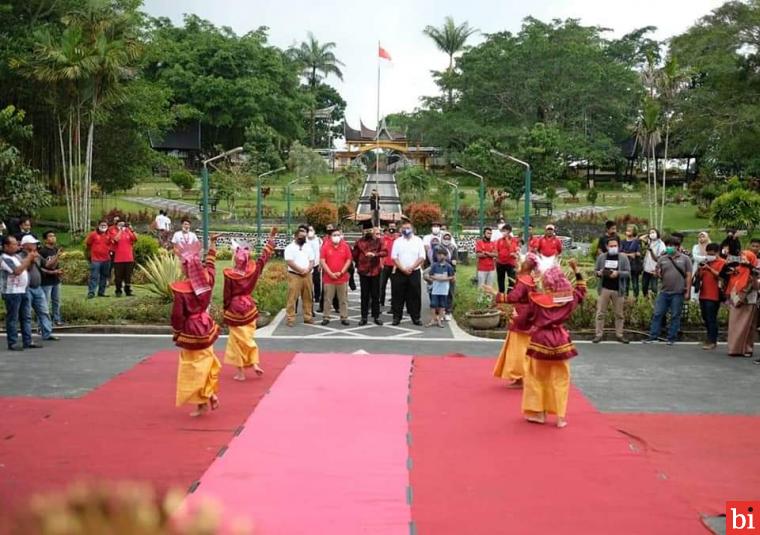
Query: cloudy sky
357 26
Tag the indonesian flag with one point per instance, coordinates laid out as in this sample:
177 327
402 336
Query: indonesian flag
383 53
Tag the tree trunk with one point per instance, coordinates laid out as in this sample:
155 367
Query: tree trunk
65 169
448 82
654 185
664 171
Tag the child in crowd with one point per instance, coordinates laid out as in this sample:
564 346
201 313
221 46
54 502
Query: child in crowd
440 275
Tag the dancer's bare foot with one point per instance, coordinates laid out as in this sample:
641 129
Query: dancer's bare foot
517 383
258 370
561 422
200 410
536 419
214 402
239 375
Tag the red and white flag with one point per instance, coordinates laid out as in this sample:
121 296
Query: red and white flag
383 53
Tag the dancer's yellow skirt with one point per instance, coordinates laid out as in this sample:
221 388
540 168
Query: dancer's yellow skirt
512 359
242 350
546 386
197 376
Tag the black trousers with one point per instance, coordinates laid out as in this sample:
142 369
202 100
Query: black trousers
405 289
370 294
316 279
385 276
123 275
504 274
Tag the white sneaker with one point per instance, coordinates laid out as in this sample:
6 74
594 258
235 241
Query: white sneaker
447 317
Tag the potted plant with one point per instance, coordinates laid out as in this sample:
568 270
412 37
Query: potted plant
483 315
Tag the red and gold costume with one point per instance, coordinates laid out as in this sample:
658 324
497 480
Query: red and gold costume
195 332
513 357
240 309
546 384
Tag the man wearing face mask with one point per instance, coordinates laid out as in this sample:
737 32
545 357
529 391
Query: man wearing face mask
708 272
388 239
613 270
336 258
485 251
507 251
315 242
408 255
300 260
674 270
369 253
99 243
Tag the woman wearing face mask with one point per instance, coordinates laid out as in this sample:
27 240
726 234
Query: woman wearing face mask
241 310
742 293
654 250
448 243
99 243
698 255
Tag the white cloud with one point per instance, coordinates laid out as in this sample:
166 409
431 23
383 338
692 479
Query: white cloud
356 27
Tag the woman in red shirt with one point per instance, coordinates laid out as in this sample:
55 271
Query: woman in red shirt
710 292
123 240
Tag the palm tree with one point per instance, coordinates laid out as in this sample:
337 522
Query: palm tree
450 39
670 81
316 59
85 67
648 137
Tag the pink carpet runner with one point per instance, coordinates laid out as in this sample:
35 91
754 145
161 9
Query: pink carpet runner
324 452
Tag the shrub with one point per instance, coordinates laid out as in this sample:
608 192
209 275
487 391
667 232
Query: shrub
76 268
271 290
321 214
224 253
592 196
160 271
573 188
144 248
183 179
423 214
737 208
344 211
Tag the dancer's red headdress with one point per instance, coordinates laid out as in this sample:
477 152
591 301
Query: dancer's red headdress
190 255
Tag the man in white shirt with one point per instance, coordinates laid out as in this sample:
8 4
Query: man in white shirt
183 237
300 258
408 255
14 280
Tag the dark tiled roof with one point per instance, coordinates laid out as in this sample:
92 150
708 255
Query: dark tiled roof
184 136
367 134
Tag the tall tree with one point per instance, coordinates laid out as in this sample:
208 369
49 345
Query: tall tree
451 39
317 61
648 137
85 67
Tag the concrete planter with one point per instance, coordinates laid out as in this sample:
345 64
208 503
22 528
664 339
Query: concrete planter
483 319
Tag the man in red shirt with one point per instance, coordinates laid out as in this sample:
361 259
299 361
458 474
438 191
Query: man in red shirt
388 239
507 250
532 240
485 250
123 257
369 254
335 258
98 242
708 272
549 244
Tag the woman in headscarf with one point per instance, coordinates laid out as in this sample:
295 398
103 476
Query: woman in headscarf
699 255
546 385
240 309
741 291
195 331
513 357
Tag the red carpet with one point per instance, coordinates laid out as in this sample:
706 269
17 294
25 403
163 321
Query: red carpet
126 429
479 468
325 452
710 458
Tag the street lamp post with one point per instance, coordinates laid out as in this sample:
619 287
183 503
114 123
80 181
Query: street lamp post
481 195
204 187
259 204
288 194
526 215
456 201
